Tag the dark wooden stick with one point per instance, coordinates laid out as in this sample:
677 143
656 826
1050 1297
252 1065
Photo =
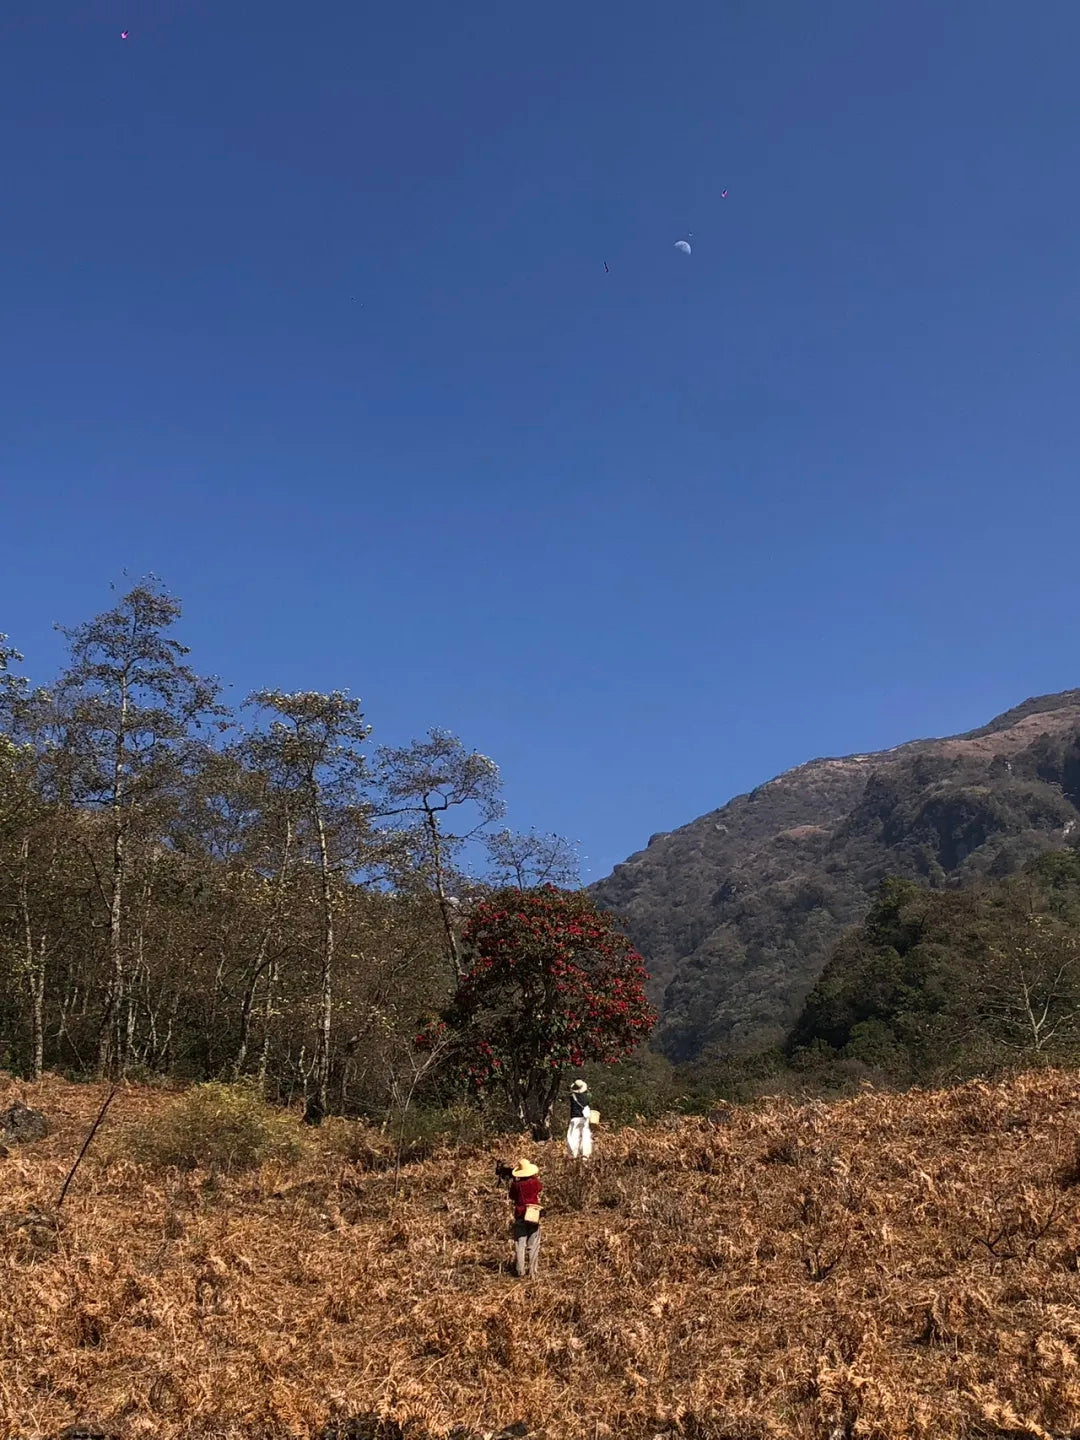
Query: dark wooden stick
86 1146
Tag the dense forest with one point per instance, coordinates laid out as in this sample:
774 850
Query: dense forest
193 892
190 891
934 987
940 984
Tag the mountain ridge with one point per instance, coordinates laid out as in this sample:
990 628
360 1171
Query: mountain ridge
737 911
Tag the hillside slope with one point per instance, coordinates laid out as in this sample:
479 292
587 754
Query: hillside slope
736 912
890 1266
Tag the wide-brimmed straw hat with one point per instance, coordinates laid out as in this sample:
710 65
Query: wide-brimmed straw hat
578 1086
524 1169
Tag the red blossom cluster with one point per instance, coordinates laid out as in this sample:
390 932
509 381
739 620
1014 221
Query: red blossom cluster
552 983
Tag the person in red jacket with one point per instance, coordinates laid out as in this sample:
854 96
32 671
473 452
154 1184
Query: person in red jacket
525 1188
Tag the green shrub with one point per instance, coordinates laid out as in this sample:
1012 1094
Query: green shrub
421 1133
355 1142
643 1086
738 1079
219 1127
427 1130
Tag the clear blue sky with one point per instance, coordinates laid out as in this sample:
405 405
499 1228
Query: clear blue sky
304 309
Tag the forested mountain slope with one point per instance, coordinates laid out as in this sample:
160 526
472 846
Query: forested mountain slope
736 913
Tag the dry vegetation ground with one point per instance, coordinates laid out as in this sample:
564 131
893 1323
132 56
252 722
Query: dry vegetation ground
887 1266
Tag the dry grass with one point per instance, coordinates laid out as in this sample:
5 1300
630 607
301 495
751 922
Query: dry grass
884 1267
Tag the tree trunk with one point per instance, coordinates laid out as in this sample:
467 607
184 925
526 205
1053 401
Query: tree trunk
247 1006
262 959
268 1011
35 968
139 976
453 949
317 1103
114 992
538 1105
37 1014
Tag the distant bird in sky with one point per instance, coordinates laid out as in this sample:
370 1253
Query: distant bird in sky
124 34
723 194
606 270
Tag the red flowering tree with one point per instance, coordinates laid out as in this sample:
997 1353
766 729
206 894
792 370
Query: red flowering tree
550 983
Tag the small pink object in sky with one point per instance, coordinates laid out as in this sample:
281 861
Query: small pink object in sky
124 34
723 194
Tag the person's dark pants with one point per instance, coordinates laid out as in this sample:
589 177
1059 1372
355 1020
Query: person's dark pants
526 1247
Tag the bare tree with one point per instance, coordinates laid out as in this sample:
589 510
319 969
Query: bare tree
418 1067
527 859
1031 986
32 822
19 806
128 705
13 687
420 784
313 749
22 817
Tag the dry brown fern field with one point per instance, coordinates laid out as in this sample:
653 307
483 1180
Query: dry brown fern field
882 1267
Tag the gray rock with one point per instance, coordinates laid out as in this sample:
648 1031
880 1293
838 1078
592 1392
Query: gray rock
19 1125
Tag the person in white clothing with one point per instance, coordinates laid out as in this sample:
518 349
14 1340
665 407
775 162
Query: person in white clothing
579 1135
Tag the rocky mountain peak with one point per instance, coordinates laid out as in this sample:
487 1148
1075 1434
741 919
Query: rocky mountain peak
736 912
